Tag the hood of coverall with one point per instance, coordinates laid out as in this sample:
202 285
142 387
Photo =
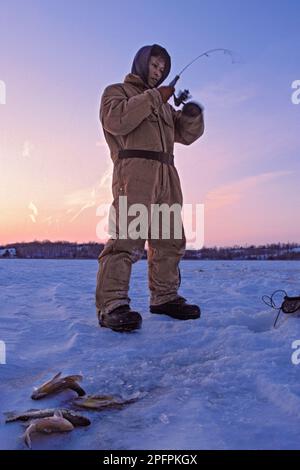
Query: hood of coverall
140 65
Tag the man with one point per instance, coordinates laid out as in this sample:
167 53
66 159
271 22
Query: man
140 128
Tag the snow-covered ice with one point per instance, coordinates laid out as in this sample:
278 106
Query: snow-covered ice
225 381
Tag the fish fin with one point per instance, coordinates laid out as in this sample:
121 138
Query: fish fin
77 389
54 379
27 436
58 413
49 382
74 378
57 375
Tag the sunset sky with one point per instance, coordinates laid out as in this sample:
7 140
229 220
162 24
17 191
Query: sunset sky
57 58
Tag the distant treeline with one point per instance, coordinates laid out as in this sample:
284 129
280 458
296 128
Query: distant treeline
66 250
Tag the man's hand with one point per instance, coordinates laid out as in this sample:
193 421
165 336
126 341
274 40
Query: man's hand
166 92
192 109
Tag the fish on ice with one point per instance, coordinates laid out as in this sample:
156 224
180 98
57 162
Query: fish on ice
75 418
58 384
56 423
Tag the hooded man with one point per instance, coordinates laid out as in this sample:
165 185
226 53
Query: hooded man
140 128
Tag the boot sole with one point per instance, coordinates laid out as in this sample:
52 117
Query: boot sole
125 327
178 316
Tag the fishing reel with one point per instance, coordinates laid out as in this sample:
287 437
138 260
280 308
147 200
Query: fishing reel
182 97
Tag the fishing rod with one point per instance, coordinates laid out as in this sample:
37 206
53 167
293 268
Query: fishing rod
184 95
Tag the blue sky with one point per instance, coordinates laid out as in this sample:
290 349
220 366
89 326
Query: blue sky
56 59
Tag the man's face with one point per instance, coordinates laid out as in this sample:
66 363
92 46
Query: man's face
156 69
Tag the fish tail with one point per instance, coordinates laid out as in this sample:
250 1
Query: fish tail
77 388
27 437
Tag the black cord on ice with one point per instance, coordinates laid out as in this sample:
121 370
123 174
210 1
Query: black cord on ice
272 304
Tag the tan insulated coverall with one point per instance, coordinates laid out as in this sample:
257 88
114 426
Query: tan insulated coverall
134 116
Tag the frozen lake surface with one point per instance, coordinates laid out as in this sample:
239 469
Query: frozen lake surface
225 381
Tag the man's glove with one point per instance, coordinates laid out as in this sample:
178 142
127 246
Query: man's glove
166 92
192 109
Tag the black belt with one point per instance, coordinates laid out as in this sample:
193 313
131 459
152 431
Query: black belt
160 156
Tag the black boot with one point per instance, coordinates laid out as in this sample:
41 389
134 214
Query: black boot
178 309
121 319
